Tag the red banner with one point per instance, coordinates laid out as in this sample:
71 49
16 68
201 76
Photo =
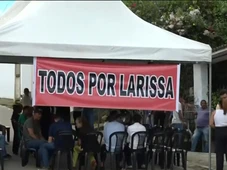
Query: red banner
106 85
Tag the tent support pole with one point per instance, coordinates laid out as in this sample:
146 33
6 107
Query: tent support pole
210 110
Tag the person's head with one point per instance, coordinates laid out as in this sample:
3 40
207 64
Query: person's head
137 118
26 110
17 108
37 114
57 116
26 91
30 111
113 116
223 94
82 122
203 104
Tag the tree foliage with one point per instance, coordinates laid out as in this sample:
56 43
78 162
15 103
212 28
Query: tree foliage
204 21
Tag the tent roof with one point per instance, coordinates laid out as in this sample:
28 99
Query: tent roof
90 30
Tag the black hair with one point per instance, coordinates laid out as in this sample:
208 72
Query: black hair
26 108
203 101
58 115
136 118
223 91
112 116
38 110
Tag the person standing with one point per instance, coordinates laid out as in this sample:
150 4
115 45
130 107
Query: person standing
202 127
178 120
218 121
17 108
26 98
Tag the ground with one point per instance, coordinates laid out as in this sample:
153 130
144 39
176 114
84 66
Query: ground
196 161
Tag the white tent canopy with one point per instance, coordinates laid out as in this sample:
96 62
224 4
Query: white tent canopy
89 30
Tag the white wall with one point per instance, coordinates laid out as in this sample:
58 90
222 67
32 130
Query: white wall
7 79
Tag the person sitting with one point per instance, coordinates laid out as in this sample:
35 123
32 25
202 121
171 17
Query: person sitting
47 149
112 125
85 142
3 143
32 132
135 127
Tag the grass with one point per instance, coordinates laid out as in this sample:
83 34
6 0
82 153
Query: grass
7 102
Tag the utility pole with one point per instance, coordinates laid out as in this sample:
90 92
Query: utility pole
17 87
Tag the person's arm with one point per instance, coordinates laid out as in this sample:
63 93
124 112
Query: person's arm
51 134
180 113
31 133
212 123
50 139
29 125
181 116
128 132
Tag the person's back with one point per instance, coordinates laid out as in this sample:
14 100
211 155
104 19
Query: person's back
110 128
58 126
132 129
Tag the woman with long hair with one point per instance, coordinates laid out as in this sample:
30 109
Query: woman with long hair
86 143
219 122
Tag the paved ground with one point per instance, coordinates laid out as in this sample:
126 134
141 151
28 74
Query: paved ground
196 161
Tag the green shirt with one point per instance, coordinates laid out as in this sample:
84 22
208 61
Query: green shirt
21 120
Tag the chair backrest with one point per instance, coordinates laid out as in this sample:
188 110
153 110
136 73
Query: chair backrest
139 139
117 141
181 139
64 140
93 145
151 132
99 136
168 136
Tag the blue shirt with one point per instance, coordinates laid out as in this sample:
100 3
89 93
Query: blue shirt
57 126
109 128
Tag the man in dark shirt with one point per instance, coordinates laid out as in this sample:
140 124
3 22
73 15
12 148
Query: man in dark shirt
47 149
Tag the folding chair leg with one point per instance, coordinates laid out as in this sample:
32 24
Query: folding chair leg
184 160
134 161
172 160
2 160
165 160
153 160
69 161
86 164
146 160
58 160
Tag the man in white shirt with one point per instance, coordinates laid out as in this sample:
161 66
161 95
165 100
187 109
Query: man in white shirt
135 127
26 99
178 120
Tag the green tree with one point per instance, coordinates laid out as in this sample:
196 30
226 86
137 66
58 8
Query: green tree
204 21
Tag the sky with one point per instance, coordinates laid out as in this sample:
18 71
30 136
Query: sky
5 5
7 70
